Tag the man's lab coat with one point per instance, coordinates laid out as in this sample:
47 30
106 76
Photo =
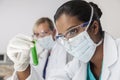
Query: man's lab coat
57 60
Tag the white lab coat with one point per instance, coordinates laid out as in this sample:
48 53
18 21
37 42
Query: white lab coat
76 70
57 60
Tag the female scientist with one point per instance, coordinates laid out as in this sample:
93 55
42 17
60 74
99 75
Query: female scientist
80 32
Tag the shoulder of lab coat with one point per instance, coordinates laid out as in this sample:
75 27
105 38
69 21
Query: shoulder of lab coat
67 72
58 68
57 61
57 57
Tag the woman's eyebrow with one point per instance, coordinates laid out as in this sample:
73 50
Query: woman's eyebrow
71 27
68 29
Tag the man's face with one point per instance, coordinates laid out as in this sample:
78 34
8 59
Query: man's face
42 30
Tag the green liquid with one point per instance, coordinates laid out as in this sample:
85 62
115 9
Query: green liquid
34 54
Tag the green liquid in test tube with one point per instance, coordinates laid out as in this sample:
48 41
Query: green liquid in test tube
34 54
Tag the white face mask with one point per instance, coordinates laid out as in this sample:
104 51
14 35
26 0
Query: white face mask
46 42
81 46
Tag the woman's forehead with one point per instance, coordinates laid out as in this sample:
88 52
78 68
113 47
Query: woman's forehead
65 21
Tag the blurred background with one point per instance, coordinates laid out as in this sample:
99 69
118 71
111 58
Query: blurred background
19 16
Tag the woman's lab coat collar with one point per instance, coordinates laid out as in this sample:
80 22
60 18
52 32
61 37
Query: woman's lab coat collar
110 55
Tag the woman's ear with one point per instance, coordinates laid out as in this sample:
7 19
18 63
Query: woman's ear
94 31
95 27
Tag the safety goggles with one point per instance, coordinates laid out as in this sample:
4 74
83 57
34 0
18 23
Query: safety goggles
41 34
72 32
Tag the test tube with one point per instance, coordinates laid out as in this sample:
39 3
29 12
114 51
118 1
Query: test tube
34 54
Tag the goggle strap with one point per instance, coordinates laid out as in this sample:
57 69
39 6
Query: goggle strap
90 18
